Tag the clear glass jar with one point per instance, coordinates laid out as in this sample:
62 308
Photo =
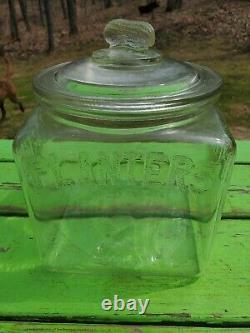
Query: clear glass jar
125 161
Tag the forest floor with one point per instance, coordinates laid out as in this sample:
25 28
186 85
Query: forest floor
214 34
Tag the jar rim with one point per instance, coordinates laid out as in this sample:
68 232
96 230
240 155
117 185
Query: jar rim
48 90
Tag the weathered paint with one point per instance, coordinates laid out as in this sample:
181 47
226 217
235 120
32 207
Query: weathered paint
21 327
221 296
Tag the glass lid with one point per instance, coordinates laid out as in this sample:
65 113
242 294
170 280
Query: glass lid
128 76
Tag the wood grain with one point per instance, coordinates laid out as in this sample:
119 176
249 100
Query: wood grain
18 327
28 291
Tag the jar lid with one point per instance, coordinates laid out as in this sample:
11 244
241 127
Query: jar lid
129 76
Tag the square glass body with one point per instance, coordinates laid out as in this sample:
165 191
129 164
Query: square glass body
141 201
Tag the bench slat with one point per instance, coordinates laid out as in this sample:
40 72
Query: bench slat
237 203
21 327
27 291
6 150
243 151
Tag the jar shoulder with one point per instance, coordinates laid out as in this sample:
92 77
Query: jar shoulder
208 128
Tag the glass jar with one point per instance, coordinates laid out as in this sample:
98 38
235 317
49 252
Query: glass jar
125 161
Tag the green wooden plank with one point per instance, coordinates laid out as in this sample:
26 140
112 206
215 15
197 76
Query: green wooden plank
242 156
237 203
243 151
12 200
6 150
11 194
17 327
221 296
8 173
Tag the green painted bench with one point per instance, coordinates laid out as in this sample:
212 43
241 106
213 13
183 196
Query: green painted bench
32 299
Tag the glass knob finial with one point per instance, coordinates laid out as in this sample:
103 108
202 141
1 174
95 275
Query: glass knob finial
138 35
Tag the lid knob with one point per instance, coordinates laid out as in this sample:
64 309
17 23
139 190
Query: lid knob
138 35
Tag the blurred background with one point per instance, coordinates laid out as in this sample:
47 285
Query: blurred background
38 33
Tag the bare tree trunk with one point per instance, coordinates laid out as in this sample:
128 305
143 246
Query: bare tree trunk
64 10
13 22
119 2
173 4
179 4
49 24
23 8
83 3
41 12
33 7
107 3
72 17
